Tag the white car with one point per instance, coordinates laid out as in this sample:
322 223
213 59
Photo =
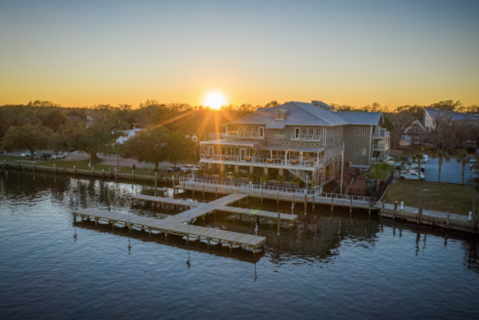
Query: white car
410 175
470 159
425 158
189 168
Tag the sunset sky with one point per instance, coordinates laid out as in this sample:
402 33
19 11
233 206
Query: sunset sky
82 53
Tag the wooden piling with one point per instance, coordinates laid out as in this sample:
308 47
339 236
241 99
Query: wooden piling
351 205
278 224
332 204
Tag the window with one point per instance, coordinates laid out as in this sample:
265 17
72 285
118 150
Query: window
356 131
279 115
278 133
365 131
318 132
311 133
296 133
363 151
261 132
356 151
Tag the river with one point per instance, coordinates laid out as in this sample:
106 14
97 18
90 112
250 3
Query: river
331 266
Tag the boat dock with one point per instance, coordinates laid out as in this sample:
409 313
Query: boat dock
180 224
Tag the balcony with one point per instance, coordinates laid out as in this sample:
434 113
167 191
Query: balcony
381 134
261 162
381 147
305 137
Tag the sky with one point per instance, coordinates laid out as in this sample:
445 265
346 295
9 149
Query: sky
84 53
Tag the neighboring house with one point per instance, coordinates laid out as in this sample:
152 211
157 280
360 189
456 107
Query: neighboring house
405 142
75 119
416 132
128 134
432 116
299 139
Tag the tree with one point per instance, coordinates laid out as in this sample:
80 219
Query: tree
461 158
400 121
441 155
27 136
380 172
271 104
52 118
148 146
177 146
418 157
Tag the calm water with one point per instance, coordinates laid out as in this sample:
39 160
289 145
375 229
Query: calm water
328 267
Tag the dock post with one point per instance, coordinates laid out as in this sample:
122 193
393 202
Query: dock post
149 232
448 216
332 203
103 173
395 208
54 168
74 170
96 222
305 203
33 166
278 224
419 214
108 198
216 192
314 200
231 247
156 183
351 205
474 216
132 175
203 190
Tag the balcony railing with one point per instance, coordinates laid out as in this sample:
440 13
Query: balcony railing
305 137
381 134
381 147
233 159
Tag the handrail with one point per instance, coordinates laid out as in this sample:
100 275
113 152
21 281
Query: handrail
238 185
293 163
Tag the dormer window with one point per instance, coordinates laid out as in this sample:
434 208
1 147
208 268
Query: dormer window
279 115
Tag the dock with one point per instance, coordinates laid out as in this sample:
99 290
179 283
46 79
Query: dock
180 224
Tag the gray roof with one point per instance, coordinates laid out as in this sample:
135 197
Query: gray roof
307 114
360 118
454 116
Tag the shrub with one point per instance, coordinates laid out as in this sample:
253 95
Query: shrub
471 149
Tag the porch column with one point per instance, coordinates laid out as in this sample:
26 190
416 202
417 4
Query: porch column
265 170
317 158
280 171
271 154
301 157
237 168
251 169
286 156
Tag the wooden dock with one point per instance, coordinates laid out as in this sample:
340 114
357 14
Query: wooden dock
175 227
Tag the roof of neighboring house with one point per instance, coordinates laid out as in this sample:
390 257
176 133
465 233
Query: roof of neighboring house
75 119
307 114
454 116
416 122
128 135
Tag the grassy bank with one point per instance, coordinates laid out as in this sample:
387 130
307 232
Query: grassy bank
435 196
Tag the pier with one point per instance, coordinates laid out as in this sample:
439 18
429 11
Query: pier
180 224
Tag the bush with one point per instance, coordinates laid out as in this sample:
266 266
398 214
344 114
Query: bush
280 178
265 177
471 149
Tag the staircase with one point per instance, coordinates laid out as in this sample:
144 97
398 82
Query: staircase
301 174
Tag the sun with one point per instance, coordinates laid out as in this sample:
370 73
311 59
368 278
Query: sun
214 100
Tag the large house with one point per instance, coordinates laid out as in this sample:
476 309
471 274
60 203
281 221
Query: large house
298 139
432 116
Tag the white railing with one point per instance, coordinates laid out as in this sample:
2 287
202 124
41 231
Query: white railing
294 163
381 146
381 133
305 137
317 191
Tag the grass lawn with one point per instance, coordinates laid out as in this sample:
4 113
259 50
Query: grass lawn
435 196
83 164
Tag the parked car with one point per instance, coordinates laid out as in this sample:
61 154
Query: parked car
470 158
46 155
391 161
174 169
60 155
29 154
425 158
410 175
415 167
189 168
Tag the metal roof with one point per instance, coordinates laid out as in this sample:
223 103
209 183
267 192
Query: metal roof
360 117
454 116
308 114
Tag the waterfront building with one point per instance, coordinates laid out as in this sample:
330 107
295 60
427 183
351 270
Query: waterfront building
298 139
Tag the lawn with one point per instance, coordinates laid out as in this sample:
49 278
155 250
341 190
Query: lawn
435 196
83 164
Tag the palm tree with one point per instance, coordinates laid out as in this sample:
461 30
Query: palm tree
380 171
418 157
461 158
441 155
